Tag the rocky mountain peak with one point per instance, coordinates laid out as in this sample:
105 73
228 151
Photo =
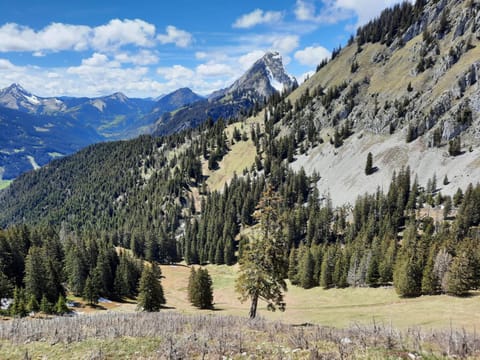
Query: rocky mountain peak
16 97
265 77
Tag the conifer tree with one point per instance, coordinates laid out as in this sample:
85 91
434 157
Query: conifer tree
306 270
407 276
430 283
459 276
200 289
328 263
293 266
192 288
45 305
369 164
150 291
32 304
35 282
61 306
19 306
91 291
263 264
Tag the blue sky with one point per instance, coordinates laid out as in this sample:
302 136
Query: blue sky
146 48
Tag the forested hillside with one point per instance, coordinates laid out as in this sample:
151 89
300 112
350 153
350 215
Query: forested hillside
154 195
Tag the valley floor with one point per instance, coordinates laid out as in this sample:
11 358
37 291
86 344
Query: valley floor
339 308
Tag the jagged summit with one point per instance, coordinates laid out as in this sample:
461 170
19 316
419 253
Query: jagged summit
265 77
17 98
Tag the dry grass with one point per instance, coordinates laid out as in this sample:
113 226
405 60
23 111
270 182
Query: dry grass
175 336
335 307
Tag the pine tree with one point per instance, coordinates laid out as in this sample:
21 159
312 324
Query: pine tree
61 306
45 305
19 306
6 287
306 270
373 275
430 283
459 277
263 264
328 263
369 165
192 286
293 267
32 304
150 291
407 277
35 282
203 294
91 291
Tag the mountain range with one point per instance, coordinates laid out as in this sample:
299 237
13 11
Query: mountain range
36 130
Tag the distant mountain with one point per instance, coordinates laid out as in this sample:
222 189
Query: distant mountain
266 77
28 141
34 130
114 116
176 100
17 98
170 102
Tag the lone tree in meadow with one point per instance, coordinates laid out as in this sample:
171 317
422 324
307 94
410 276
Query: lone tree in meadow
150 291
264 262
200 290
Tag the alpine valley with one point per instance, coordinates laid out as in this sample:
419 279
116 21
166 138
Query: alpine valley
361 180
36 130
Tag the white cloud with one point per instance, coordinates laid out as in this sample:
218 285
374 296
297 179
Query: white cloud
108 37
180 38
249 59
143 57
214 70
257 17
175 72
365 10
54 37
6 64
301 79
200 55
123 32
312 55
333 11
285 44
96 60
305 11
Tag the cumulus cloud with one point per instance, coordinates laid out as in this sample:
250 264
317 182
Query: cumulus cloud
54 37
285 44
257 17
96 60
365 10
143 57
249 59
312 55
123 32
333 11
214 70
305 11
175 72
108 37
6 64
180 38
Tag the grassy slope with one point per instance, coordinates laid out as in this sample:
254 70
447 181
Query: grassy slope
335 307
241 156
4 183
